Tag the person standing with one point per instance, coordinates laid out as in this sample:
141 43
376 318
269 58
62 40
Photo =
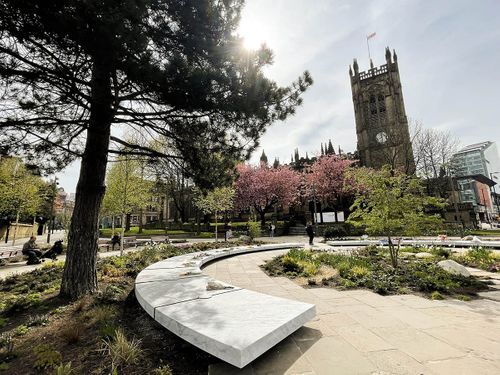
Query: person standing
272 228
32 251
310 233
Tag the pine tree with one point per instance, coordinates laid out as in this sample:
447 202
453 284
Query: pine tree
297 157
322 150
176 70
276 163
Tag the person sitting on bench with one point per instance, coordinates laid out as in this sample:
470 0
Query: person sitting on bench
31 250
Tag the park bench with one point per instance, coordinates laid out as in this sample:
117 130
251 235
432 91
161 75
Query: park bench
160 239
7 253
231 323
130 241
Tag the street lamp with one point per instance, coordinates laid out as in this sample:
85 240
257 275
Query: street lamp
51 224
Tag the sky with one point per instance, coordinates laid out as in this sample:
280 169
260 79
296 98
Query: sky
448 55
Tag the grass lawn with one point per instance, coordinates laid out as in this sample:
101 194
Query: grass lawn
371 268
41 333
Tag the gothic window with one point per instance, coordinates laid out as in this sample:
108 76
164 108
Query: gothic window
381 104
373 105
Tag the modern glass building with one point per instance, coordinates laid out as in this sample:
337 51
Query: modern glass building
477 168
479 158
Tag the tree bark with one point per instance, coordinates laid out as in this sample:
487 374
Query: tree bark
80 271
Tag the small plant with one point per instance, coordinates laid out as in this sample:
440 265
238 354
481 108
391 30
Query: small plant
359 272
3 322
123 352
101 314
64 369
463 297
440 252
162 370
112 293
436 296
37 320
46 357
83 304
72 333
21 330
6 342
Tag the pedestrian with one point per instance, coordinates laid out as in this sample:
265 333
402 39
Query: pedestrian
229 231
310 232
115 240
272 228
32 251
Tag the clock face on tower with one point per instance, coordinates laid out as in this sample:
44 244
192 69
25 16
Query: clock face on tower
381 137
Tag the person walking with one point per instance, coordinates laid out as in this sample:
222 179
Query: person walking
310 233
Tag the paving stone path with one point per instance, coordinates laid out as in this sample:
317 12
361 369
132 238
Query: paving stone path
360 332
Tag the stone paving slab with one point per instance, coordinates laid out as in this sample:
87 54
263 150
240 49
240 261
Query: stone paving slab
405 334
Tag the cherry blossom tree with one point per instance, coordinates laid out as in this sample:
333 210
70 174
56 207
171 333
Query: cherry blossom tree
264 188
328 181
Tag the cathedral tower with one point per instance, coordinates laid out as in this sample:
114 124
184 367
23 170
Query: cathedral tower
381 123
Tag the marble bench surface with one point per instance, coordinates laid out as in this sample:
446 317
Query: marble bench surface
231 323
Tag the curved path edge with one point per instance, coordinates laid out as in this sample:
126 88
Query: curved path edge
231 323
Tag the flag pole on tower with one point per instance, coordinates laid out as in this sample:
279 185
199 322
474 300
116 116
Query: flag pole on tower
368 37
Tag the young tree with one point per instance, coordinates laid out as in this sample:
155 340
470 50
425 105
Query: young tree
215 202
263 188
393 204
22 194
328 181
126 190
73 69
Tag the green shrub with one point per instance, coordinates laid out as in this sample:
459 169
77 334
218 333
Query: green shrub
46 357
253 229
334 232
436 296
291 264
3 322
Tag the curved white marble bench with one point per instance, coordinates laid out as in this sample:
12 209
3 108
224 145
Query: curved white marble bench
231 323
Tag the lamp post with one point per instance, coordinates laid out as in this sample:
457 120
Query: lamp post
494 192
51 224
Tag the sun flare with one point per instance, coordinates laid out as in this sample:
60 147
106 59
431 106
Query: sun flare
252 33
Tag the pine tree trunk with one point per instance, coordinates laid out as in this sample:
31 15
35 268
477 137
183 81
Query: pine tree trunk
80 273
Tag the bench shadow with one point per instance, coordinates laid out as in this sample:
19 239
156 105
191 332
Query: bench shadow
278 359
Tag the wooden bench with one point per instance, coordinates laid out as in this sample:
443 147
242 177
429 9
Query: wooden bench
231 323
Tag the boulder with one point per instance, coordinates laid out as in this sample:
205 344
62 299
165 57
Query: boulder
423 255
453 267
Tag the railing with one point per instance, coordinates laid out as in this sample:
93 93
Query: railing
373 72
